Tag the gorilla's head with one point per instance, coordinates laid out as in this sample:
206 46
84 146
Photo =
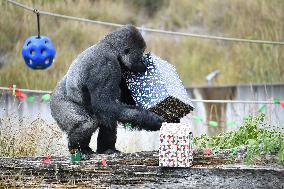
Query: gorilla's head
129 46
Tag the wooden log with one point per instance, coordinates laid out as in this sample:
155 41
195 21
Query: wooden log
129 170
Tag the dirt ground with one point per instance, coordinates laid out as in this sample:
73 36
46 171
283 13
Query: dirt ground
138 170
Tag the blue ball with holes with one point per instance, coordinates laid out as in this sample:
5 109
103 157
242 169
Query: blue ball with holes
38 52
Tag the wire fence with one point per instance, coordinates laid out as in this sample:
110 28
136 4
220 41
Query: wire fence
41 92
217 117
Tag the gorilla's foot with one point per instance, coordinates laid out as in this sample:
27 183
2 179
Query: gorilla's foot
87 151
109 151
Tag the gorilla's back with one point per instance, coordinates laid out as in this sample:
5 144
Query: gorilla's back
71 86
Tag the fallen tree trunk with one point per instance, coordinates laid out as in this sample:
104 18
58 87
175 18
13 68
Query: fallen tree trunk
137 170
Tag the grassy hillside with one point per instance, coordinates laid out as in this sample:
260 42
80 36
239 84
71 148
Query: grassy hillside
194 58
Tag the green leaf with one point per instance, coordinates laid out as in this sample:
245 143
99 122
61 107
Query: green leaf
31 99
262 109
76 156
213 123
127 125
234 151
45 97
276 100
251 142
248 118
197 118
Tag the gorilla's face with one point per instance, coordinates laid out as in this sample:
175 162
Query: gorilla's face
129 46
132 59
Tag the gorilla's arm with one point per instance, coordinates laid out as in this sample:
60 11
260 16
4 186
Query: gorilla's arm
105 98
143 119
130 109
125 96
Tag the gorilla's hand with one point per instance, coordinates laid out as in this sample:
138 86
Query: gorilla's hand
152 121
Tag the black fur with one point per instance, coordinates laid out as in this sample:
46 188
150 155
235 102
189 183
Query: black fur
93 95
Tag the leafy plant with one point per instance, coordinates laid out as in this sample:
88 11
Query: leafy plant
259 138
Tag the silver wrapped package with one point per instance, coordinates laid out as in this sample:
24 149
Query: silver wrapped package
159 89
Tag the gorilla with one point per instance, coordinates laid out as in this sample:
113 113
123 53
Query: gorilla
93 94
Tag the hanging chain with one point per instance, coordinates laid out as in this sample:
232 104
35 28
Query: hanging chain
38 24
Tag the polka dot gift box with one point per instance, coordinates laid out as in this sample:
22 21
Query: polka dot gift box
176 142
159 89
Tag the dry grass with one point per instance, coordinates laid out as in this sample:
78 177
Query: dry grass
194 58
27 130
37 138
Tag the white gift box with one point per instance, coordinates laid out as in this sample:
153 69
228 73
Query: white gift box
176 141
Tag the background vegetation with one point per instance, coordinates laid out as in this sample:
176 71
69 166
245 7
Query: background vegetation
258 138
194 58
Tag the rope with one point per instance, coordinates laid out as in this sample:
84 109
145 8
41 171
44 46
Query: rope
27 90
193 100
233 101
148 29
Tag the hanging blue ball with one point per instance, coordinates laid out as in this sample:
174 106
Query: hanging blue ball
38 52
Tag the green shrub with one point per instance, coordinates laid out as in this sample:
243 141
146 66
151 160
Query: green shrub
259 138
